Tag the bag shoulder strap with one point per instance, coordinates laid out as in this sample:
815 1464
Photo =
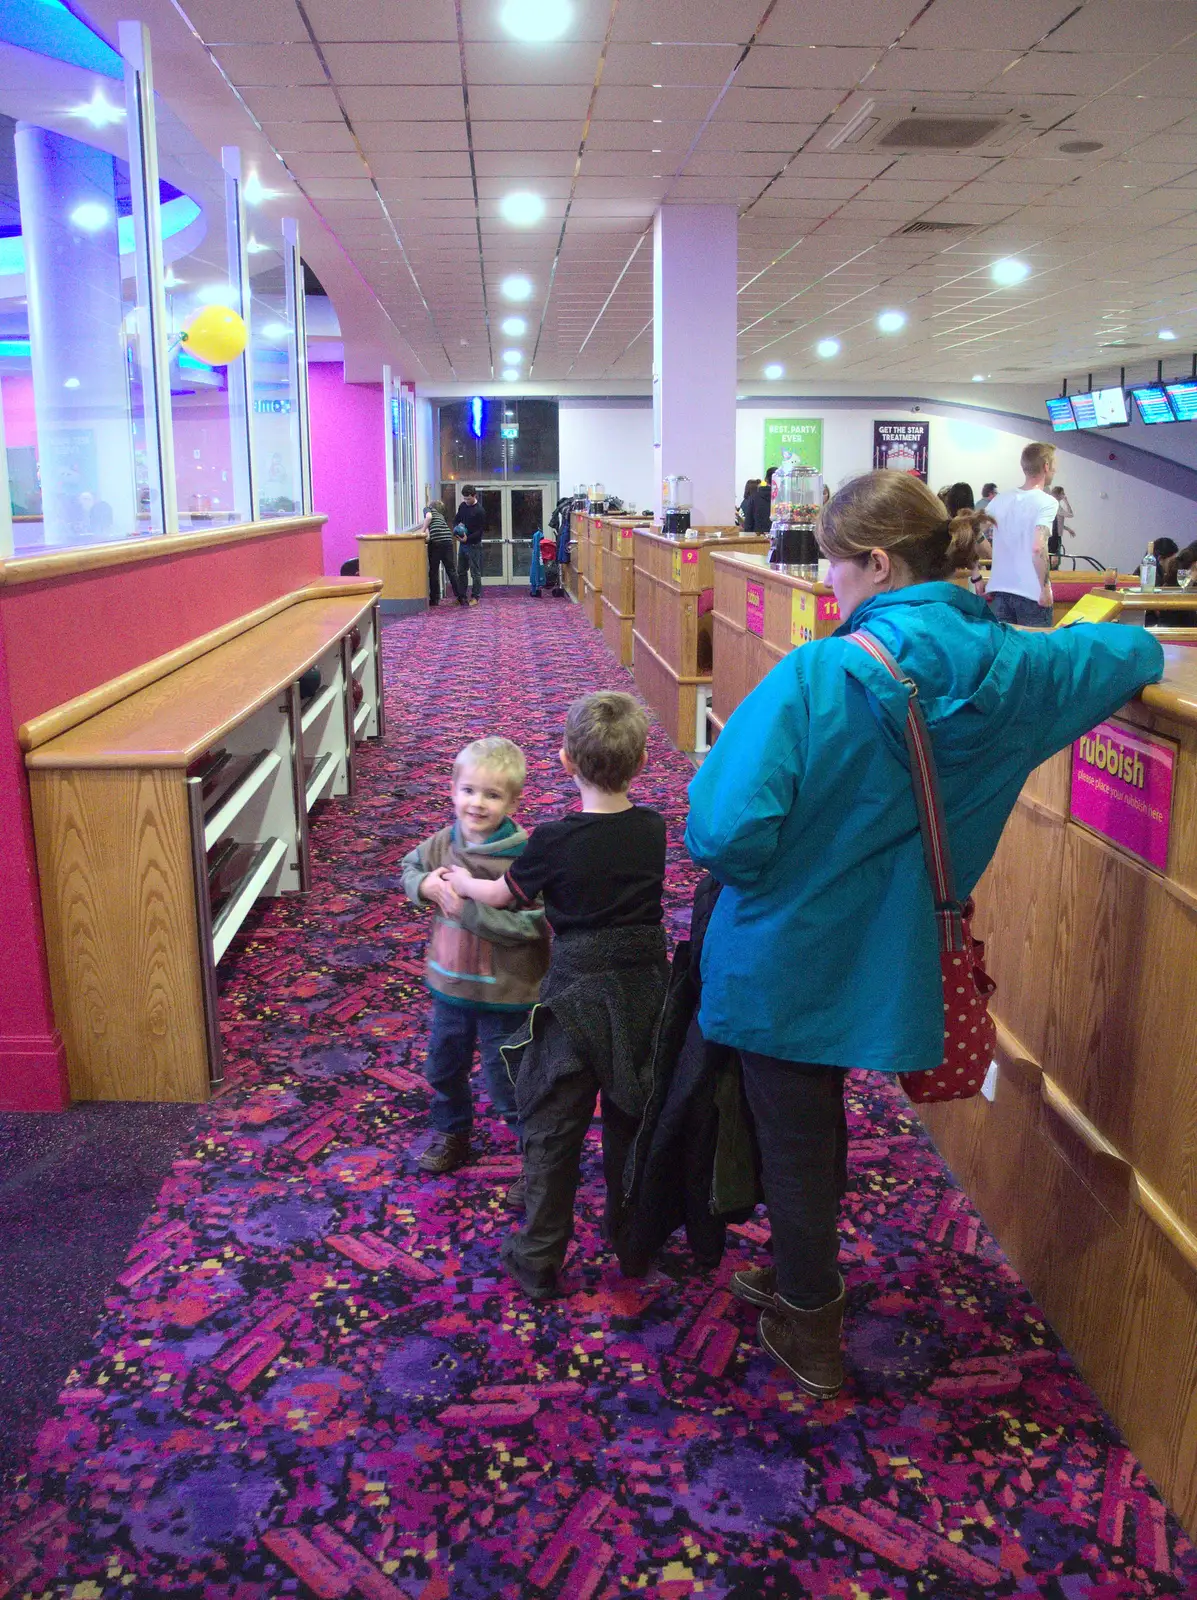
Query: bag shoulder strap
927 799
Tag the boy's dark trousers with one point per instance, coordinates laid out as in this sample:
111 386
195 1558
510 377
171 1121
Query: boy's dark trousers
455 1030
442 553
553 1135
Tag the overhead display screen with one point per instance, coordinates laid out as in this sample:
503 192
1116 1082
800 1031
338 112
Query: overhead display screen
1152 402
1184 399
1060 415
1084 410
1110 405
1100 408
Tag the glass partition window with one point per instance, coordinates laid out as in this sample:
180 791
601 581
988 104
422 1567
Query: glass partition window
200 269
70 390
498 438
276 443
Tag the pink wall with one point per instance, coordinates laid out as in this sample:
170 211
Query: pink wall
58 638
348 462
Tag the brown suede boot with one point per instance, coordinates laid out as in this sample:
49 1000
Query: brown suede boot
446 1153
756 1286
807 1343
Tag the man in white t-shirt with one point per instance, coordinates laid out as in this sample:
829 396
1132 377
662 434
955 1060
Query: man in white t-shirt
1020 587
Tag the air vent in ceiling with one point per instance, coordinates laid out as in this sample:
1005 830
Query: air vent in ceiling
936 227
981 124
938 133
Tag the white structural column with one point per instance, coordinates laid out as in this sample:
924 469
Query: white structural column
694 354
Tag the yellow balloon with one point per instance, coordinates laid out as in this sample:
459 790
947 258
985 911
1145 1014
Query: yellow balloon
216 335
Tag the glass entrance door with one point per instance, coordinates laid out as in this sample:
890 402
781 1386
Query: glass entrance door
515 514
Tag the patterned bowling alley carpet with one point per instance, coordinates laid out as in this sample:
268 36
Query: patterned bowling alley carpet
311 1379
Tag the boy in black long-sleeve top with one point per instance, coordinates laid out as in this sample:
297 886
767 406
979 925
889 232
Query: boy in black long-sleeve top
601 873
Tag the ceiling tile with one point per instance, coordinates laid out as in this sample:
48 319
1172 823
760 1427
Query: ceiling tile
270 64
394 64
432 103
381 20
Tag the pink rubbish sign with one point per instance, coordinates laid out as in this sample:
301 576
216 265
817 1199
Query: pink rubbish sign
1122 789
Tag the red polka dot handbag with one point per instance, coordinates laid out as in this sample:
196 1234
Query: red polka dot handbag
969 1031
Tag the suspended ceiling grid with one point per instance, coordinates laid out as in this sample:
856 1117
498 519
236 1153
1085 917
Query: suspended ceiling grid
406 121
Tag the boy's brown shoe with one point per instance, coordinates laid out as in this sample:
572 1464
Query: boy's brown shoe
446 1153
806 1343
756 1286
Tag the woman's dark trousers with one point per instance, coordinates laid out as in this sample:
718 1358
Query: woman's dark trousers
802 1132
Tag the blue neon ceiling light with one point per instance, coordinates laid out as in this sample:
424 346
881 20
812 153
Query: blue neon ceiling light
48 28
476 412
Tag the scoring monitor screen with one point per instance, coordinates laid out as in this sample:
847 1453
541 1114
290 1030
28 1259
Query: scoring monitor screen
1060 415
1084 410
1100 408
1153 403
1184 399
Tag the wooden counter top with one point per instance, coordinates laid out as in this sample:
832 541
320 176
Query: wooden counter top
788 576
174 719
1176 692
404 533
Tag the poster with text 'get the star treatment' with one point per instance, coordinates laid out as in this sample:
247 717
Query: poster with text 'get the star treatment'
800 437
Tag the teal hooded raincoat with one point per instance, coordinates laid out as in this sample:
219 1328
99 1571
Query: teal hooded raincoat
822 947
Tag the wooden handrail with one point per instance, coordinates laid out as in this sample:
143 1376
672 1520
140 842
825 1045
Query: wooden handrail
60 719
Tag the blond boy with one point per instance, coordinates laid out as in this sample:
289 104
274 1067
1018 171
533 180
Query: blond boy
484 964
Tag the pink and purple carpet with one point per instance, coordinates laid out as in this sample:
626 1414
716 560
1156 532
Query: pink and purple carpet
312 1379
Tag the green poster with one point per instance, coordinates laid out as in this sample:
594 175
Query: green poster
801 437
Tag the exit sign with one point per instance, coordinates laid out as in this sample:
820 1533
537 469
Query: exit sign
509 430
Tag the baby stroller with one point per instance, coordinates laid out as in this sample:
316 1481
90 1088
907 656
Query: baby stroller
545 571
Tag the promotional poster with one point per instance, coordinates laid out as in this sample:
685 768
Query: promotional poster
902 446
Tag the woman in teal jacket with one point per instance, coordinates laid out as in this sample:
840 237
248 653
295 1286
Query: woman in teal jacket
822 951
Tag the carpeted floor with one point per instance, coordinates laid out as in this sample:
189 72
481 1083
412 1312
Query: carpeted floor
311 1379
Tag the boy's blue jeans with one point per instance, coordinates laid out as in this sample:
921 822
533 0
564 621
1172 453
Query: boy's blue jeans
455 1031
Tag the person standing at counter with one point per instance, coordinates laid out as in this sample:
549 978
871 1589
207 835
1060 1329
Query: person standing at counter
822 952
758 512
441 553
1020 588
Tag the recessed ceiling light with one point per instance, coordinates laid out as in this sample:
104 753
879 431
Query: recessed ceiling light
826 348
657 121
513 327
1009 270
658 85
774 371
516 287
511 375
512 358
654 152
978 377
70 383
536 21
1165 333
891 321
91 216
522 209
